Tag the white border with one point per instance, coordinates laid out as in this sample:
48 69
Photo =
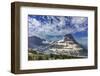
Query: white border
25 64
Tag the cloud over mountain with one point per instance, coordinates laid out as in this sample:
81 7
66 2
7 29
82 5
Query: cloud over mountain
46 26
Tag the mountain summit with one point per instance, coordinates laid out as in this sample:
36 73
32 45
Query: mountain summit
68 37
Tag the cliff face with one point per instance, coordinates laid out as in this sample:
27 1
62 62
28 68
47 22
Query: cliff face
66 46
68 37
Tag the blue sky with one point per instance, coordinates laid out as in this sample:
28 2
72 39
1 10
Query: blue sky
55 27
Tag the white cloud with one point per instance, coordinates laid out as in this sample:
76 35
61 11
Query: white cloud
56 28
79 23
78 20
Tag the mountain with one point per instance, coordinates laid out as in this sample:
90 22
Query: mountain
34 41
71 38
66 46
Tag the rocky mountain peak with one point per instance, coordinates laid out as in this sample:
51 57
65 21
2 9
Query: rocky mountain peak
68 37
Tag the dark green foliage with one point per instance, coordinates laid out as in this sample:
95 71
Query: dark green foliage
33 55
30 57
33 51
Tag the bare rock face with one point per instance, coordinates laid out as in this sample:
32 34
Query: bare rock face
68 37
67 46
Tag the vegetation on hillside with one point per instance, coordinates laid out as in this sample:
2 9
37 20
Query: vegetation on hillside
33 55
